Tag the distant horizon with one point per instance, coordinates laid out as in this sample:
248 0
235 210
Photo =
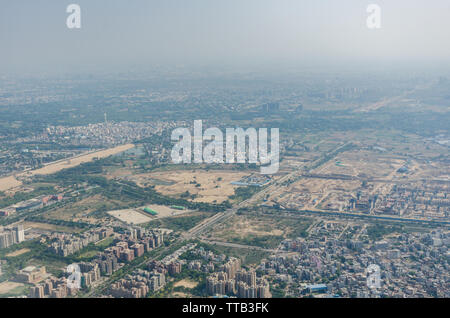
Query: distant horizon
198 34
372 68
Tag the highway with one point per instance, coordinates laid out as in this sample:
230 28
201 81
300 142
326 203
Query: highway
207 224
222 216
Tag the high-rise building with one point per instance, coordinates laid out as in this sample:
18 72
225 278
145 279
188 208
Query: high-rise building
10 237
37 292
20 233
174 268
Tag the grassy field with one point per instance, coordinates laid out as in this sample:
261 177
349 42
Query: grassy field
248 257
81 210
180 223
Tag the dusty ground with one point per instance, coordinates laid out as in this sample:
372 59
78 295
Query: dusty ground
7 183
329 193
18 252
6 287
186 283
262 231
11 182
208 186
309 192
362 164
130 216
50 227
165 211
240 227
72 162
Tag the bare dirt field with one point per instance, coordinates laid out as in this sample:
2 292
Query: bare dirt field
72 162
7 287
50 227
207 186
18 252
307 193
165 211
10 182
138 216
264 232
362 164
130 216
186 283
242 227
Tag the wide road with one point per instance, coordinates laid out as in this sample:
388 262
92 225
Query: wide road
222 216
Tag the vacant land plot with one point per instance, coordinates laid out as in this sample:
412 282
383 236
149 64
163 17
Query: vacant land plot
205 186
87 254
362 164
10 182
165 211
80 210
73 162
311 193
130 216
187 283
180 223
18 252
261 231
50 227
11 288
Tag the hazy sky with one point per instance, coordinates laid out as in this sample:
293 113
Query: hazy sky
119 33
